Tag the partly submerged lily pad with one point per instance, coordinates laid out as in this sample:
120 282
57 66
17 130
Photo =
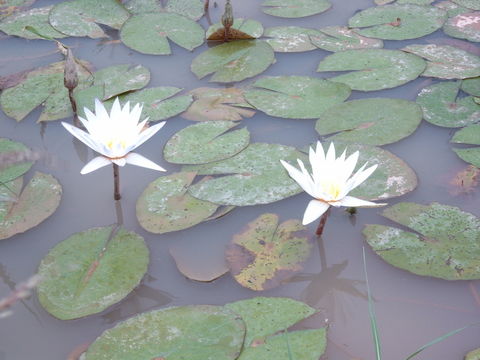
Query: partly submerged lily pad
234 61
165 205
295 8
398 22
340 38
253 176
464 26
291 38
447 62
441 107
90 271
445 244
148 33
298 97
267 253
205 142
242 29
468 135
469 4
38 200
13 159
200 332
376 121
82 17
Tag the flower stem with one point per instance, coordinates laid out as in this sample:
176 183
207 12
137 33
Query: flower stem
116 182
322 223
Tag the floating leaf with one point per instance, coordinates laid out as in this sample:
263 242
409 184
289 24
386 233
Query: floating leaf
398 22
81 17
258 177
466 180
464 26
291 38
383 2
299 97
10 7
445 243
165 205
470 4
42 86
38 200
37 18
468 135
241 30
192 9
203 143
13 161
447 62
376 69
440 105
142 6
148 33
265 316
471 86
340 38
416 2
201 332
217 104
376 121
473 355
451 8
295 8
266 253
90 271
234 61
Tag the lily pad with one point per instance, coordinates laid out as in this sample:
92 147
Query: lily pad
253 176
264 316
441 107
473 355
416 2
295 8
376 69
470 4
234 61
291 38
464 26
42 86
12 160
447 62
340 38
192 9
142 6
471 86
203 143
82 17
148 33
451 8
165 205
10 7
242 29
217 104
90 271
376 121
38 200
398 22
468 135
298 97
267 253
201 332
38 18
445 244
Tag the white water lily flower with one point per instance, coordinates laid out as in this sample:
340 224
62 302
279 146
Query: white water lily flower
330 181
114 136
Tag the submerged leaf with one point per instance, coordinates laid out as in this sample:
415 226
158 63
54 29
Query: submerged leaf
340 38
13 160
295 8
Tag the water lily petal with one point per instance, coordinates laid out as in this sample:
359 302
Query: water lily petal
100 111
314 210
147 134
139 160
304 182
360 176
83 137
95 164
351 201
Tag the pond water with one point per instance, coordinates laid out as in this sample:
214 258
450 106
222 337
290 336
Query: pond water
411 310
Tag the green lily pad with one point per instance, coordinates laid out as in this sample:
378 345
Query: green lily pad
12 155
38 200
148 33
265 316
291 38
201 332
473 355
38 18
416 2
295 8
217 104
376 121
165 205
10 7
81 17
142 6
383 2
441 107
234 61
267 253
340 38
445 244
42 86
252 28
90 271
447 62
298 97
255 176
376 69
468 135
203 143
469 4
192 9
464 26
398 22
471 86
451 8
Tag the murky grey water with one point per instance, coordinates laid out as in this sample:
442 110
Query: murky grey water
411 310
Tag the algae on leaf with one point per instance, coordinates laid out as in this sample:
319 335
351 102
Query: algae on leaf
464 26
